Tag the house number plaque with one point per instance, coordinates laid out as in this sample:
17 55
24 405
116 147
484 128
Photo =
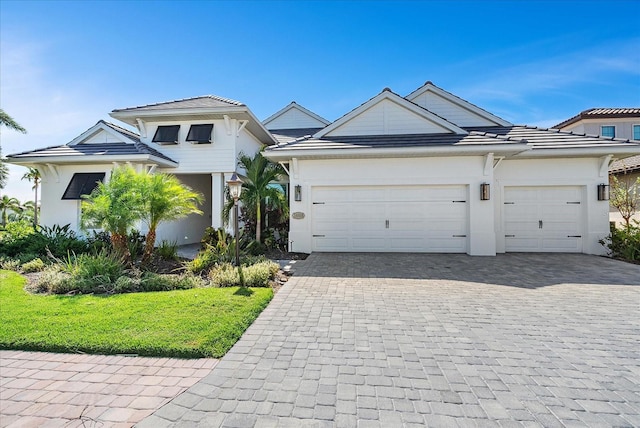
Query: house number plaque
297 215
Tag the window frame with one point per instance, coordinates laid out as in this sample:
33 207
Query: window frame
195 141
83 186
615 131
633 132
156 137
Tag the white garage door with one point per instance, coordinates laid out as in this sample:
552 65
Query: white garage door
390 218
543 219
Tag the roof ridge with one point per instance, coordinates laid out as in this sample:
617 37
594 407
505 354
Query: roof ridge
429 82
120 129
215 97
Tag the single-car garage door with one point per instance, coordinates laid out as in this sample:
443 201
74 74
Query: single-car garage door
543 218
390 218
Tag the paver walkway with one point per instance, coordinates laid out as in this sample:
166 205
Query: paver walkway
368 340
39 389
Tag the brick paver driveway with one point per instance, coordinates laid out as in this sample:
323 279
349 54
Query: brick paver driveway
362 340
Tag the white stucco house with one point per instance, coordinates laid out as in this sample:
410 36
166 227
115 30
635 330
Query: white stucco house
197 139
428 172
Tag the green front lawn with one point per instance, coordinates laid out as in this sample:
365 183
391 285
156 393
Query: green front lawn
201 322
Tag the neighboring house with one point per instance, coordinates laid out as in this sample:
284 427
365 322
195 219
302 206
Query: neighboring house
197 139
611 122
431 172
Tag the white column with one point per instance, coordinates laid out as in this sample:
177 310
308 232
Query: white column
217 199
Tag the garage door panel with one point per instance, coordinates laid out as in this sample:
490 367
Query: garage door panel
543 218
389 218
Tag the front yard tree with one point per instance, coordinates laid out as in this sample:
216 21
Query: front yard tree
165 199
8 204
33 175
258 189
115 207
625 197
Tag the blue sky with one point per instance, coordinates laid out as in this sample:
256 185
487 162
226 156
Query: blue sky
65 65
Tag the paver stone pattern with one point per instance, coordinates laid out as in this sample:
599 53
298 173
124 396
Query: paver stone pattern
40 389
386 340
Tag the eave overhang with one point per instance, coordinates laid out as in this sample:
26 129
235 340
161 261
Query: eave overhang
505 150
211 113
84 159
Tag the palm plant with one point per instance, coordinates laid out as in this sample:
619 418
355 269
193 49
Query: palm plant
165 199
33 175
258 191
115 207
8 204
7 121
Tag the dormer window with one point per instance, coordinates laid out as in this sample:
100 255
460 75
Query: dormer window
200 134
167 134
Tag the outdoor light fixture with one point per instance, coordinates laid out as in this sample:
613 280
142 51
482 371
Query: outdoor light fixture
235 189
485 192
298 193
603 192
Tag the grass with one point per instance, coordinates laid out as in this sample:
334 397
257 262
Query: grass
202 322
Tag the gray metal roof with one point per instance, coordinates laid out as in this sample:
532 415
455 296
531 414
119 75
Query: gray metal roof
601 113
97 149
205 101
537 138
102 149
627 165
543 138
288 135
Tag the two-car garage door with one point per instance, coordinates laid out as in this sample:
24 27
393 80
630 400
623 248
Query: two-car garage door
390 218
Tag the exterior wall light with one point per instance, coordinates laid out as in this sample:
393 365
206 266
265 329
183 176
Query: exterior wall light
235 189
603 192
297 194
485 192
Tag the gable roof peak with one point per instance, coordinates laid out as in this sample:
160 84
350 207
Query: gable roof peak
387 89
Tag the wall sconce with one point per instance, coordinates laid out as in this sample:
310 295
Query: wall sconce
603 192
297 194
485 192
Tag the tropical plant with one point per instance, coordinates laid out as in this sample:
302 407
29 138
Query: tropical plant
625 197
9 122
259 191
8 204
4 172
115 207
165 199
33 175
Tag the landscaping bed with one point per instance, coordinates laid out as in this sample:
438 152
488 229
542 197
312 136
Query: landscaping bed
199 322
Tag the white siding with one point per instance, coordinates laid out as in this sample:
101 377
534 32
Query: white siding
387 117
198 158
247 143
294 118
102 136
53 209
450 111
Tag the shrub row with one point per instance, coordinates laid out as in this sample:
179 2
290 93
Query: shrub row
624 242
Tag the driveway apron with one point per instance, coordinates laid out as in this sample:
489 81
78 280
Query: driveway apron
367 340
